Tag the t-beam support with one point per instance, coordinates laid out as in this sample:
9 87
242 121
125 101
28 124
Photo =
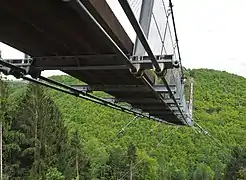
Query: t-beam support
144 20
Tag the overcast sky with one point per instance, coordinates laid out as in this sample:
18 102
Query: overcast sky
211 34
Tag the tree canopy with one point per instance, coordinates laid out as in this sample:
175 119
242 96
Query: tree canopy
51 135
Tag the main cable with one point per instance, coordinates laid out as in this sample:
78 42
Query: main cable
176 35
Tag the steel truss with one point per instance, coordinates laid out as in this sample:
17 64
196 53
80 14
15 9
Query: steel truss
142 37
136 64
21 73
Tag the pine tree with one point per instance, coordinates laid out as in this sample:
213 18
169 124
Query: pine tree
117 163
3 98
132 157
78 162
9 167
39 122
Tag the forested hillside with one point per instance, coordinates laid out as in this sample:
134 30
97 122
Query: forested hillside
51 135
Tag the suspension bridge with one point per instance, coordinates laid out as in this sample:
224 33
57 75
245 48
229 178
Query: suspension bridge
84 39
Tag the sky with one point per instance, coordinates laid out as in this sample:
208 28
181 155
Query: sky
211 34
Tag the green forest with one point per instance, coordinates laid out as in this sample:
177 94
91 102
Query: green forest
49 135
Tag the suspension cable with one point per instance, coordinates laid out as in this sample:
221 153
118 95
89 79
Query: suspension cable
176 36
140 34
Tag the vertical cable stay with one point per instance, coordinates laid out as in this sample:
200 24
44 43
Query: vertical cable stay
206 133
116 136
123 128
163 39
136 6
158 28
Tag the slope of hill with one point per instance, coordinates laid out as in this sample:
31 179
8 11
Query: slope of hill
151 150
219 106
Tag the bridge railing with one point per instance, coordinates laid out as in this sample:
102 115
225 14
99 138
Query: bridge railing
161 36
162 40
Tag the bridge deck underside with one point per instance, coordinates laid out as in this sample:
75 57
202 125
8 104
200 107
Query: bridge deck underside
52 28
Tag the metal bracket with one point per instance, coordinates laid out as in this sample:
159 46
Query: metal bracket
21 63
24 64
144 62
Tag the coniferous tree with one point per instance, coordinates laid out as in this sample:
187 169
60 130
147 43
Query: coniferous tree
132 157
219 107
38 121
117 163
77 160
3 99
10 139
237 163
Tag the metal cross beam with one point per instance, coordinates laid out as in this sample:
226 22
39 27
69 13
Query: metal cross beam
69 90
88 62
123 88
